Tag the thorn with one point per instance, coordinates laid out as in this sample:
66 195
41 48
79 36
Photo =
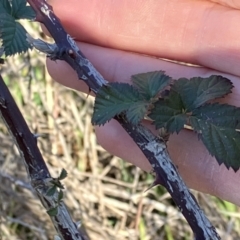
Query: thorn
78 224
151 186
72 54
157 181
89 91
37 135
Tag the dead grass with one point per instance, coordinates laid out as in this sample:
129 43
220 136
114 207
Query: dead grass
105 192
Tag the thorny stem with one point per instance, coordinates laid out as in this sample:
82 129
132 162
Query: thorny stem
152 147
35 165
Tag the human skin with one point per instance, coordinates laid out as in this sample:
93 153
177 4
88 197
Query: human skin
126 37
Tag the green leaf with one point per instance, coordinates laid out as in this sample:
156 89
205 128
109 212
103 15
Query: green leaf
63 174
115 98
5 6
21 11
51 191
60 196
169 113
223 143
197 91
57 183
53 211
219 114
136 112
217 131
151 83
13 35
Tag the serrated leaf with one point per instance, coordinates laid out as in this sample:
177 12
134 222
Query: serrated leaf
169 113
112 100
63 174
218 132
5 6
53 211
13 35
51 191
197 91
136 112
219 114
151 83
21 11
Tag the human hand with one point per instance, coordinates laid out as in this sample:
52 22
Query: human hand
198 32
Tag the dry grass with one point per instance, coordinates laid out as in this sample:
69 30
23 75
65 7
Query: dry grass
105 192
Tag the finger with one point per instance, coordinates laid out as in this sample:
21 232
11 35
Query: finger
201 32
119 66
232 4
199 170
